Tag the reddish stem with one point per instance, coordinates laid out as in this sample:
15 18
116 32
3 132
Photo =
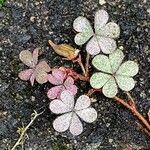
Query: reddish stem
131 106
87 65
134 111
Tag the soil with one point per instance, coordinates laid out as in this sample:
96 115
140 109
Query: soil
27 24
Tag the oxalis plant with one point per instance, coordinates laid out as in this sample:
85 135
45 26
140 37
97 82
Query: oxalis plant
111 74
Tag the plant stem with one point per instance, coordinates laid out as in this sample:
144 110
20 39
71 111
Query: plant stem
133 110
92 91
79 60
87 65
25 130
130 105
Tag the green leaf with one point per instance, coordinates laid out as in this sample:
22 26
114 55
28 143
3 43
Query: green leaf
129 68
110 88
125 83
101 62
99 79
116 59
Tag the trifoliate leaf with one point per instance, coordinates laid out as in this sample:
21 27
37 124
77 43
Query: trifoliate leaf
110 88
125 83
101 62
129 68
98 80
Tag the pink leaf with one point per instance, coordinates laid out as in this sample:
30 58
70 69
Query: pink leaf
53 80
55 92
72 88
59 74
26 74
69 81
57 77
69 85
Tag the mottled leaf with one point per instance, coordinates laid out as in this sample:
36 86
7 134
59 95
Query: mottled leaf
41 76
26 74
101 62
68 98
98 80
82 102
27 58
43 66
58 107
116 59
125 83
110 88
111 30
129 68
101 18
82 25
55 92
106 44
93 47
76 126
88 115
62 122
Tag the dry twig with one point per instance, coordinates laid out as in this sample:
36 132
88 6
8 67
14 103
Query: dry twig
35 115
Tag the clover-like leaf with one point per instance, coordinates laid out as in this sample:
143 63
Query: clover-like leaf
113 73
62 82
71 113
102 39
37 71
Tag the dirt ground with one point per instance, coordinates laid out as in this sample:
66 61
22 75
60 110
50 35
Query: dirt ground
30 24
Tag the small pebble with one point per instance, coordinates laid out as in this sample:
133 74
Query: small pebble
102 2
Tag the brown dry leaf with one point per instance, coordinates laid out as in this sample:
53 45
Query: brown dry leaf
65 50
